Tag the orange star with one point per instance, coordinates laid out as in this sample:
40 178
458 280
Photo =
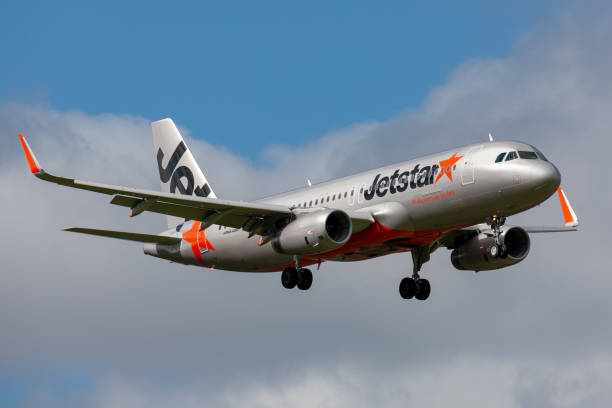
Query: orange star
446 167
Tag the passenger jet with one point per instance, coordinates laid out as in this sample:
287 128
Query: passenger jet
457 199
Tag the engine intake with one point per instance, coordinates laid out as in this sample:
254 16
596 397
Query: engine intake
475 254
314 233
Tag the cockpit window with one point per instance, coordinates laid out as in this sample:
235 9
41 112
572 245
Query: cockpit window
511 156
500 158
527 155
541 155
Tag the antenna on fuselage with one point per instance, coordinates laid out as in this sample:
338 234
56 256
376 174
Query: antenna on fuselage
490 137
309 183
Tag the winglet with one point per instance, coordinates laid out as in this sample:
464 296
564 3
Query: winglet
571 220
32 162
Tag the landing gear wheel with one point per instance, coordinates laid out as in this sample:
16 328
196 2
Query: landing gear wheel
407 288
423 289
289 278
494 250
503 253
304 279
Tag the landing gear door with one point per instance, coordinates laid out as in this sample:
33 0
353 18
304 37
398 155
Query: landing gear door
468 169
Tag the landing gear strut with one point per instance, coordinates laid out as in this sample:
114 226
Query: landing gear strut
498 249
415 286
298 276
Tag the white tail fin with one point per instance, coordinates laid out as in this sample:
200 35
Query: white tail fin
178 171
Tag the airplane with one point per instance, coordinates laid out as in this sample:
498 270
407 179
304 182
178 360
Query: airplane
458 199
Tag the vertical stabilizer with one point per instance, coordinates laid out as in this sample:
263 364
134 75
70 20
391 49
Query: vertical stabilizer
178 171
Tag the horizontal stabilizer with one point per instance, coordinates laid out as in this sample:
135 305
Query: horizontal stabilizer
130 236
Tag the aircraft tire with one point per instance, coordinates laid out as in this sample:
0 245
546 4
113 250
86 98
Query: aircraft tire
289 278
304 279
423 289
503 253
407 288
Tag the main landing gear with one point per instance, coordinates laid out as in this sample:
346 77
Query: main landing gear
498 249
415 286
298 276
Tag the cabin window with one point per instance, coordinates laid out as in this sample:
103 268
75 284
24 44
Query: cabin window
511 156
500 158
334 198
352 193
528 155
310 204
328 199
345 194
316 201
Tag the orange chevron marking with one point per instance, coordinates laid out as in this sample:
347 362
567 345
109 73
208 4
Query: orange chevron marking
198 240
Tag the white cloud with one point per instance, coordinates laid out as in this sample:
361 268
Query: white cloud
464 381
151 326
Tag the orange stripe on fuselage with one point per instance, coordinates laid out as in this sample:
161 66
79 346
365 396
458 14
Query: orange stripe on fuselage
31 162
377 240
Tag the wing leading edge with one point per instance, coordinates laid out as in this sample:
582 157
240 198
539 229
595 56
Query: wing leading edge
255 218
570 218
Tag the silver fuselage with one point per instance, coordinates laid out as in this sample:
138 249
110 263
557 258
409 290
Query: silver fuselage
413 203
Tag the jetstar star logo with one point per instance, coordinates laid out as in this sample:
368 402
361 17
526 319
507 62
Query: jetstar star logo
415 178
446 167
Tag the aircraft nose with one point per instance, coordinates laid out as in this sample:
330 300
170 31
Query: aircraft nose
546 177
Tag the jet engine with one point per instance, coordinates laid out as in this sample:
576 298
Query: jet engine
481 253
314 233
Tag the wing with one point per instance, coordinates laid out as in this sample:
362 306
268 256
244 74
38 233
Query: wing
255 218
535 230
454 238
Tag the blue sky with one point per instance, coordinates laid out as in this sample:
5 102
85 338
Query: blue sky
249 74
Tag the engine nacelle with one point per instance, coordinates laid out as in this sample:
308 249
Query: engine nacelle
475 254
314 233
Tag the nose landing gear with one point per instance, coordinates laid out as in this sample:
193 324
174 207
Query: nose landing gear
415 286
498 249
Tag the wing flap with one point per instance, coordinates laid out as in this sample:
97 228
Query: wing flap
129 236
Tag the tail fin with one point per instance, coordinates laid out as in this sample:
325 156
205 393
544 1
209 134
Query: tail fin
178 171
